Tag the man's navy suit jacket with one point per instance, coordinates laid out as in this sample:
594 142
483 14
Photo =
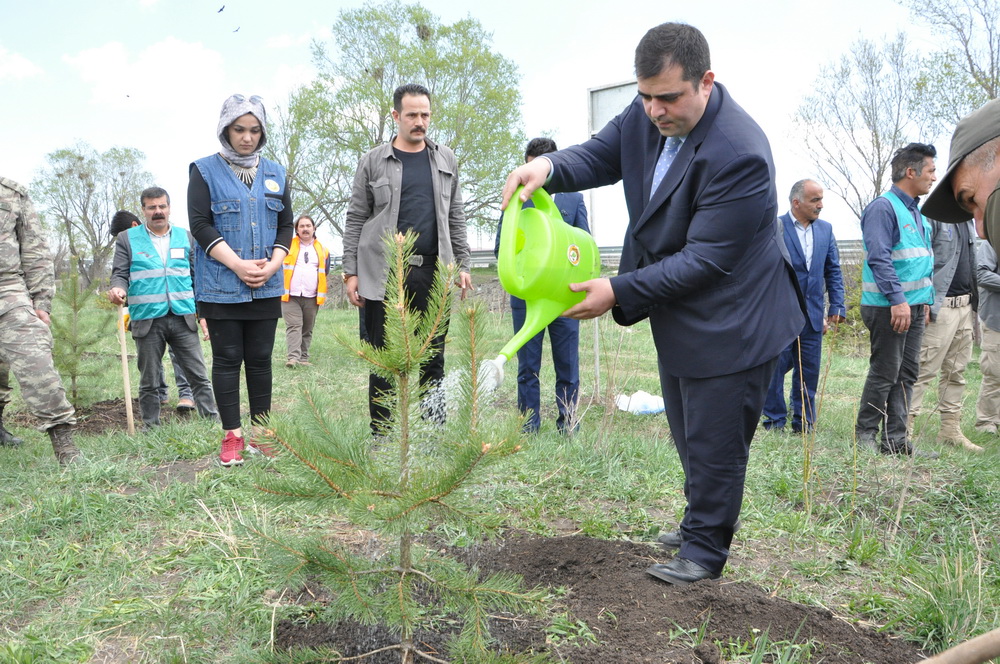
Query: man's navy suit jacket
701 259
823 274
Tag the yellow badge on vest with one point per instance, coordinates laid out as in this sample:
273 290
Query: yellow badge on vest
272 185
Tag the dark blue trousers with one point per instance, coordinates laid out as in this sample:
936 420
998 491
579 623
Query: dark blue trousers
712 421
805 378
564 335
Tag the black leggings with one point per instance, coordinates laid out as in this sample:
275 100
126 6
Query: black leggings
236 343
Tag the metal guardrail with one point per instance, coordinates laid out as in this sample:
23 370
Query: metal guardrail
851 253
610 256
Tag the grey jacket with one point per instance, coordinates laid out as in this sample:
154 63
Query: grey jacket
374 211
121 278
989 286
944 241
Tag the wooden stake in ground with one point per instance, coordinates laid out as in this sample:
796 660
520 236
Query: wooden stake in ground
983 648
125 375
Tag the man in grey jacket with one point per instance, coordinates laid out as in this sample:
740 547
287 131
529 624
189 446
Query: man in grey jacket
408 184
152 267
947 343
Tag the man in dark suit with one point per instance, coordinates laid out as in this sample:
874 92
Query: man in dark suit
813 250
701 259
564 333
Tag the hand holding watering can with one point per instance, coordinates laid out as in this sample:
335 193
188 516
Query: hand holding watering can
540 256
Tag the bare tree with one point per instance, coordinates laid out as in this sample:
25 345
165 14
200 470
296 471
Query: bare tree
864 107
966 74
78 191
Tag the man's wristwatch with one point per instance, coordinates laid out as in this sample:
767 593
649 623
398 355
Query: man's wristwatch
347 276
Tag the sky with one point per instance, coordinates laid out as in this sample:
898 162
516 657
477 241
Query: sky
152 74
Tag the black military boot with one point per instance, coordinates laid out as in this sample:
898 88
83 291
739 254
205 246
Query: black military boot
62 444
7 439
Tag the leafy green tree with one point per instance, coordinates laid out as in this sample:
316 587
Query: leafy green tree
864 107
966 73
79 190
418 474
329 124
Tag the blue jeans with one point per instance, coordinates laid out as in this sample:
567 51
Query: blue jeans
184 342
892 370
564 335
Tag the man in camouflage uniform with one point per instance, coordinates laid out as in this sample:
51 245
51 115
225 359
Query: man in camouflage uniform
27 283
7 439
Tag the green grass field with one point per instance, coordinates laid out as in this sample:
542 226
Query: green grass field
141 555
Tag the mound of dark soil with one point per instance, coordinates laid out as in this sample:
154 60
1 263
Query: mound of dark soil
98 418
632 614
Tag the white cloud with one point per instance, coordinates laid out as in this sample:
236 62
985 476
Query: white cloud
292 77
320 33
157 76
14 66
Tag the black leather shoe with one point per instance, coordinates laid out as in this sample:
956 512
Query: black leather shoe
681 571
671 539
674 538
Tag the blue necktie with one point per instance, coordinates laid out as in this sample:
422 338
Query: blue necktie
670 148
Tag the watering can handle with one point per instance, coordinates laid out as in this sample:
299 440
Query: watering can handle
542 201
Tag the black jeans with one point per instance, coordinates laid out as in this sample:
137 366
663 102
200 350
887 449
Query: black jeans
892 370
236 343
419 280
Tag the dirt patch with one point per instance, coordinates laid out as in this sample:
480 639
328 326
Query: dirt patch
634 617
100 418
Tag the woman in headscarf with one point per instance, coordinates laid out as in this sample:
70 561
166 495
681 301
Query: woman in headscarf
240 211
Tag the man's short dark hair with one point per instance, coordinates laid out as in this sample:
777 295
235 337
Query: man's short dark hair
408 89
911 156
150 193
122 221
539 146
304 216
673 44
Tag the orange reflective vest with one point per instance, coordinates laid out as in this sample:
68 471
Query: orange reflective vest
322 255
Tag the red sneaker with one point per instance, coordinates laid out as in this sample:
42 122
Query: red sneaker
232 445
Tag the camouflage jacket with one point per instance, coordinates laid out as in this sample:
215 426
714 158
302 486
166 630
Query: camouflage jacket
26 271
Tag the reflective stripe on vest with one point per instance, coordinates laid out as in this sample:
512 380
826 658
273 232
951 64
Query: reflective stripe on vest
156 289
322 256
912 260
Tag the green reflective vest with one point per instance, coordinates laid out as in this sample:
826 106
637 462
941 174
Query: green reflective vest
156 289
912 259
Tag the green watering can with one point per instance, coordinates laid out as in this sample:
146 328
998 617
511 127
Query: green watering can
540 256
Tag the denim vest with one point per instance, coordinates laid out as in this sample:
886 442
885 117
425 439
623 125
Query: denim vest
156 289
912 257
247 219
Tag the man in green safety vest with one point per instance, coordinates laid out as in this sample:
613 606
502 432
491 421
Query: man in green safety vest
152 268
897 291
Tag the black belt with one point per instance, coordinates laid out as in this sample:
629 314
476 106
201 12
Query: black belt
416 260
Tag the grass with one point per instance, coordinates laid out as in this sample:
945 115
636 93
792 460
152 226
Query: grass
143 554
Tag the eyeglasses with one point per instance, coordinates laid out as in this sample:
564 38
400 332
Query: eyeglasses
306 257
254 99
